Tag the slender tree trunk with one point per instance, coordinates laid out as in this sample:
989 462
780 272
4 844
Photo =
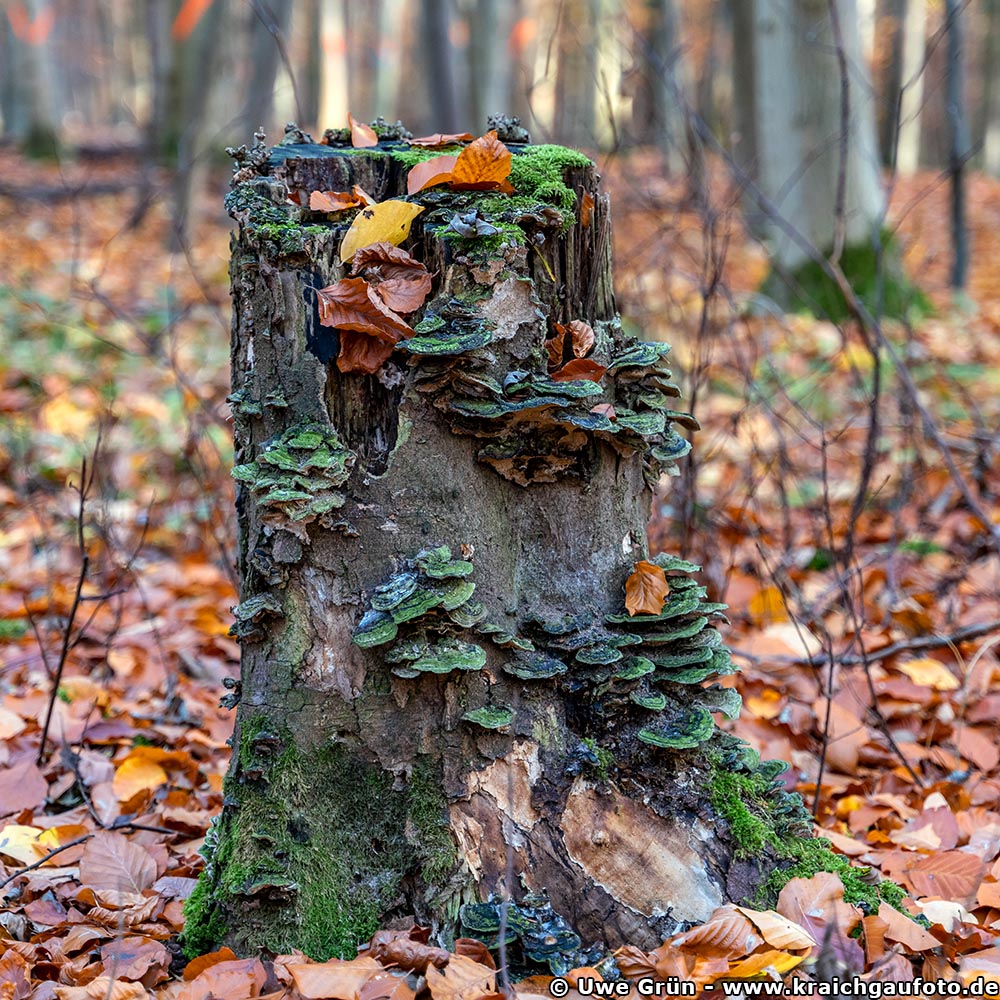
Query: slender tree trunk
268 32
576 72
958 142
363 25
463 744
487 69
823 179
991 90
911 95
658 108
312 75
435 23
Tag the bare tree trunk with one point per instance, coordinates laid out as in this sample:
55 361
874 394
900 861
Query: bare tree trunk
576 72
667 79
991 90
312 75
439 62
498 725
911 95
820 177
195 69
488 66
268 32
958 142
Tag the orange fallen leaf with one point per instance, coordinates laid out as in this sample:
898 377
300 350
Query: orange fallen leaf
928 672
586 209
579 368
362 136
646 589
726 934
333 201
113 863
430 173
483 165
137 774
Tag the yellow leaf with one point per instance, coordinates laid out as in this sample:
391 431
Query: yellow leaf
763 962
386 222
136 774
767 605
931 673
21 844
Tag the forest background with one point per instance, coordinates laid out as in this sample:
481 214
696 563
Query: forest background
842 494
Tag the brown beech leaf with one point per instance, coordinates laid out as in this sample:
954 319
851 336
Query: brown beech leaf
402 282
605 410
335 979
430 173
113 863
951 875
645 593
133 957
333 201
476 950
362 136
581 336
461 979
440 139
351 304
727 933
579 368
360 352
483 165
386 987
409 955
586 209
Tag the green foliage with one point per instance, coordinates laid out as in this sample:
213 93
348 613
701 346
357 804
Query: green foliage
875 274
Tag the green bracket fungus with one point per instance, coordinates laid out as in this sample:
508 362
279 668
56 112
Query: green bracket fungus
490 716
684 731
252 614
431 599
296 478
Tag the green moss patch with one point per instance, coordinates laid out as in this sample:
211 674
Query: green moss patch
313 848
765 820
875 274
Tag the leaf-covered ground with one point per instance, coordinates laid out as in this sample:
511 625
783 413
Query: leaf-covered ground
866 633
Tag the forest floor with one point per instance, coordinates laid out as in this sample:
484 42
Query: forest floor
866 635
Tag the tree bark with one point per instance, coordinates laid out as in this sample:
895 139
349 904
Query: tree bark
990 127
404 747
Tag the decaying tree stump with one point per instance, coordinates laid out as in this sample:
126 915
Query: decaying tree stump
442 697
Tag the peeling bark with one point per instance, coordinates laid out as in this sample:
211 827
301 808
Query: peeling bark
400 743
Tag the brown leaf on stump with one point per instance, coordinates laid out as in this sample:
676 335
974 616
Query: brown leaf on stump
430 173
440 139
483 165
362 136
579 368
402 282
352 304
646 589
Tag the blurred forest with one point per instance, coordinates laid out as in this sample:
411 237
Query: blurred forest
806 205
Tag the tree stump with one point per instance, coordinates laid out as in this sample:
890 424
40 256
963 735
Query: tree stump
443 700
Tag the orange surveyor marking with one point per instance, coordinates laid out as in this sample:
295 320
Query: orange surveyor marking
34 32
188 17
